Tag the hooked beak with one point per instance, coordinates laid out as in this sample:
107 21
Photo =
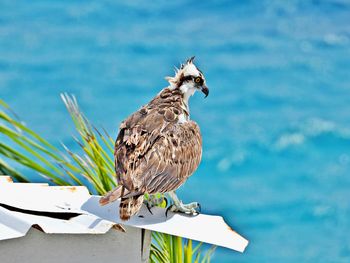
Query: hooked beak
205 90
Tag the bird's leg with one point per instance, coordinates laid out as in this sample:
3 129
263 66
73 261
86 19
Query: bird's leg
154 200
191 208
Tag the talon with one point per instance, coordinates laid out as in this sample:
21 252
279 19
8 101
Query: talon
193 208
149 208
167 210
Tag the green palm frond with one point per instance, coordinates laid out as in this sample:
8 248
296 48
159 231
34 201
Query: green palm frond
92 167
167 248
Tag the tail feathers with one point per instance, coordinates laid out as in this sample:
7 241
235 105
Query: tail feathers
130 206
111 196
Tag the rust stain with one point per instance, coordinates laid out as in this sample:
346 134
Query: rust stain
119 227
229 228
69 188
72 189
9 179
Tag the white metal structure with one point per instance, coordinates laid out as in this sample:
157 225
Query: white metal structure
32 211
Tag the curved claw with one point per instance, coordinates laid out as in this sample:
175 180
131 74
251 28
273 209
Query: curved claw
199 207
168 209
149 208
192 211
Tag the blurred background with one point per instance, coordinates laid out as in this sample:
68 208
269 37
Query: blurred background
276 126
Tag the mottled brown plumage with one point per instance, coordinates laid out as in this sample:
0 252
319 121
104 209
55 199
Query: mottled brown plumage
156 150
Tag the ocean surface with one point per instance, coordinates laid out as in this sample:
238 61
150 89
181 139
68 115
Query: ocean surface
276 125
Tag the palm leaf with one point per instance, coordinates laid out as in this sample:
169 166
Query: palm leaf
167 248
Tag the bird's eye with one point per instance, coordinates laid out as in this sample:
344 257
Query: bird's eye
198 80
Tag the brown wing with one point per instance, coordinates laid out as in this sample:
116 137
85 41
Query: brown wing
172 159
153 152
136 136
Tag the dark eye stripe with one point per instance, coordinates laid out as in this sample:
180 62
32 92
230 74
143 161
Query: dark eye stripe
193 78
186 78
197 80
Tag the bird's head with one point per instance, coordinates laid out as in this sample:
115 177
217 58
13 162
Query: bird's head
188 79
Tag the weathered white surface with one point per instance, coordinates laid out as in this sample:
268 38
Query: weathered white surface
29 210
205 228
38 247
93 219
42 198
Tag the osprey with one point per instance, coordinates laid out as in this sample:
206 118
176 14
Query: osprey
158 147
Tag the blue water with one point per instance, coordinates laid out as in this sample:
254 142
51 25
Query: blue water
276 126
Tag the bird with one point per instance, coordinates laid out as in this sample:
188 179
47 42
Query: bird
159 147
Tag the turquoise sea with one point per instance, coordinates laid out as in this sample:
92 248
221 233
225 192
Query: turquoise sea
276 125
